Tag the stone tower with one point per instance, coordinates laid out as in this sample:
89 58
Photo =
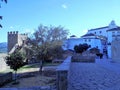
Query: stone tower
15 39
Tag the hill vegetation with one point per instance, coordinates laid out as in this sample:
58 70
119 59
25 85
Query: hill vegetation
3 47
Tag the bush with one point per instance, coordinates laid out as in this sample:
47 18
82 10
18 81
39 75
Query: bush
15 61
81 48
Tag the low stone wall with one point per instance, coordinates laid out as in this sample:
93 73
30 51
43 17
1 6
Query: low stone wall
62 74
83 58
5 78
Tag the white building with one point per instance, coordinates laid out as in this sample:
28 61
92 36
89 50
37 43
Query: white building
93 40
98 37
112 34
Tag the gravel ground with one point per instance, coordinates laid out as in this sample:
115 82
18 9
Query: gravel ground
94 76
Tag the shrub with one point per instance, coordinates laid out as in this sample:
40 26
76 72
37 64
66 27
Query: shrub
81 48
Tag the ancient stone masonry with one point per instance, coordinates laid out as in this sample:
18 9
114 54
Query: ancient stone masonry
15 39
62 74
5 78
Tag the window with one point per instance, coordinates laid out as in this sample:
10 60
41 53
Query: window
89 40
100 31
118 33
113 33
85 40
95 32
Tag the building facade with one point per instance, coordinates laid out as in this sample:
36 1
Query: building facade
98 37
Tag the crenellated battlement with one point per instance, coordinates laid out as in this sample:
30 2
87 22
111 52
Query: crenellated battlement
12 32
15 38
16 33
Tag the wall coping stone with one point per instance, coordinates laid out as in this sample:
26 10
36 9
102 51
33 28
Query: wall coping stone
65 65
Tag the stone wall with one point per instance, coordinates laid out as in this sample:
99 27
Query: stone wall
12 40
5 78
62 74
15 38
83 58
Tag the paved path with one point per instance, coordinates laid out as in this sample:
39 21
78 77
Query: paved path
30 88
101 75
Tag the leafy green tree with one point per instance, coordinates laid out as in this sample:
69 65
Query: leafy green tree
45 39
15 61
57 51
81 48
4 1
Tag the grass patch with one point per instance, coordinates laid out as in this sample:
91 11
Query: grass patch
51 64
30 66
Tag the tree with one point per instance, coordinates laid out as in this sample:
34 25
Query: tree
0 7
81 48
45 39
15 61
4 1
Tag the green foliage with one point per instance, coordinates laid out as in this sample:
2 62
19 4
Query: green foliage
57 52
0 7
4 1
81 48
49 51
47 42
15 60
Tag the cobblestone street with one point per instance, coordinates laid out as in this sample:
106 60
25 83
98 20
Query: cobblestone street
94 76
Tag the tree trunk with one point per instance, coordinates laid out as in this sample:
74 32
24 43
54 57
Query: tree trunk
15 76
41 66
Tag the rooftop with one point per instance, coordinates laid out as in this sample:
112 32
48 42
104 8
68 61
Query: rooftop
98 28
113 29
88 34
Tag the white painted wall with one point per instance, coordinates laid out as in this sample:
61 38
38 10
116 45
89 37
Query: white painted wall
103 31
99 32
94 42
109 35
109 51
74 41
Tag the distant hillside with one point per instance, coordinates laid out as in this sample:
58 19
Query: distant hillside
3 47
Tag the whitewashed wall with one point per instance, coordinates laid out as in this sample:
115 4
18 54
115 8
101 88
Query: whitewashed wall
102 31
74 41
109 51
94 42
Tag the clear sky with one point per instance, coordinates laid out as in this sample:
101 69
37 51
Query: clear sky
76 15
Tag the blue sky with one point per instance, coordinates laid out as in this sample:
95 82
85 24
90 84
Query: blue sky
76 15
